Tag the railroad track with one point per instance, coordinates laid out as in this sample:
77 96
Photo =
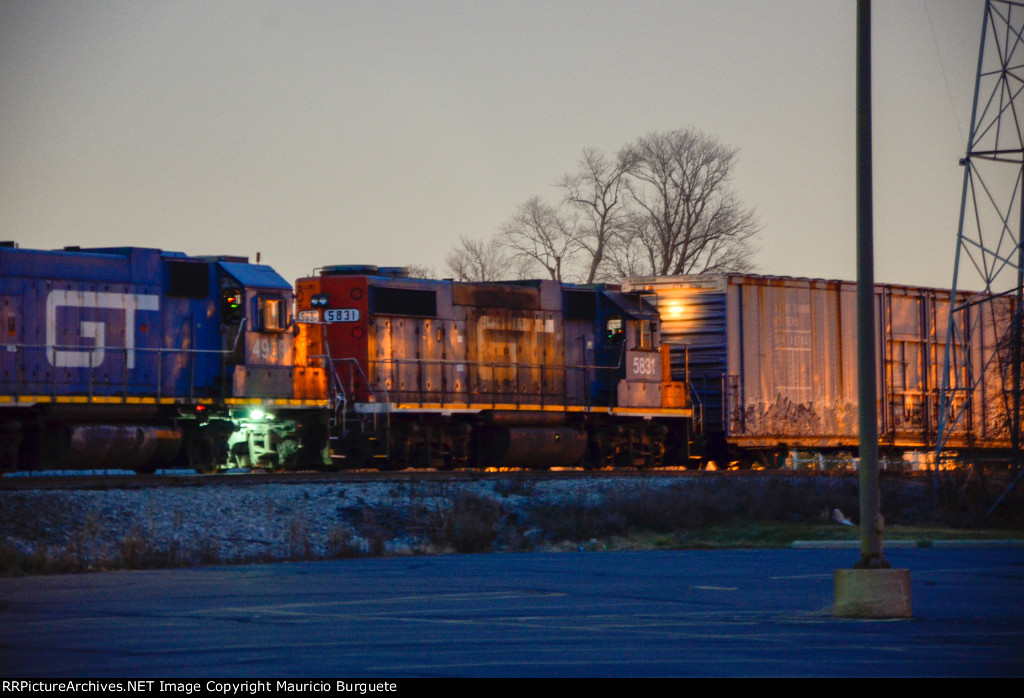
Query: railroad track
64 480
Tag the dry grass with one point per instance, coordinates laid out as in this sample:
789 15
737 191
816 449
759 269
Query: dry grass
511 514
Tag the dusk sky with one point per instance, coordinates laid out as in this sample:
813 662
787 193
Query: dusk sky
343 132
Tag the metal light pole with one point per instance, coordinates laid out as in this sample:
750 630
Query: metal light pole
871 589
867 390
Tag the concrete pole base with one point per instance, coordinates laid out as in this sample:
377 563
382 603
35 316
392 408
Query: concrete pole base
872 593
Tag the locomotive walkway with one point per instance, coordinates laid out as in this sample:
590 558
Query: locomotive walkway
680 613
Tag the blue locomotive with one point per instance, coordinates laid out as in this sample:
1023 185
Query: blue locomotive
141 358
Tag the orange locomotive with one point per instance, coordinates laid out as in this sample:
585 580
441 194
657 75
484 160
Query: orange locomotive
427 373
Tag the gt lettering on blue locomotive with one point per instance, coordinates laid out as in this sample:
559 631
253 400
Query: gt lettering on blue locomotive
95 331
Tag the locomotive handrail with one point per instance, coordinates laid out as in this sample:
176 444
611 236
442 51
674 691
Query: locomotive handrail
371 388
335 379
387 404
695 398
336 388
224 359
142 388
362 375
239 334
492 366
507 364
336 385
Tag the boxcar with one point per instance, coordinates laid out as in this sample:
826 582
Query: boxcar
772 363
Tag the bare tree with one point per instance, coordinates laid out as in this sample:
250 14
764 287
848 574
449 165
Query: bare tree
539 235
690 221
629 254
661 206
476 260
596 193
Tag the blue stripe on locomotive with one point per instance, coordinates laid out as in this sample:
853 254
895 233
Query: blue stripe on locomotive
113 322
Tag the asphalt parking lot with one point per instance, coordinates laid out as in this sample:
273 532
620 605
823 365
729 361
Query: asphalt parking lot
616 614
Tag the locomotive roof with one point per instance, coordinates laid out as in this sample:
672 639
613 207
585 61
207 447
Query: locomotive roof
259 275
632 304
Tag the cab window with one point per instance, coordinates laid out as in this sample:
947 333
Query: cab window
272 314
615 329
645 335
231 306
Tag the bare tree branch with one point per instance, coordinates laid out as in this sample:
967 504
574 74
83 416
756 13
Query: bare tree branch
661 206
596 193
539 234
693 223
476 260
420 271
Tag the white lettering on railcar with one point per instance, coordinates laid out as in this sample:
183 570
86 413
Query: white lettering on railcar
268 349
341 315
93 356
644 365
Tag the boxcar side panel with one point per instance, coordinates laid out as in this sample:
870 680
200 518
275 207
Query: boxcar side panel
773 361
789 380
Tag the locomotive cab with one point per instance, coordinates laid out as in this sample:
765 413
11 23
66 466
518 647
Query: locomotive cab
256 330
258 338
631 337
648 422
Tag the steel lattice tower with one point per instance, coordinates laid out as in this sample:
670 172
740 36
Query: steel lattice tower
981 382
